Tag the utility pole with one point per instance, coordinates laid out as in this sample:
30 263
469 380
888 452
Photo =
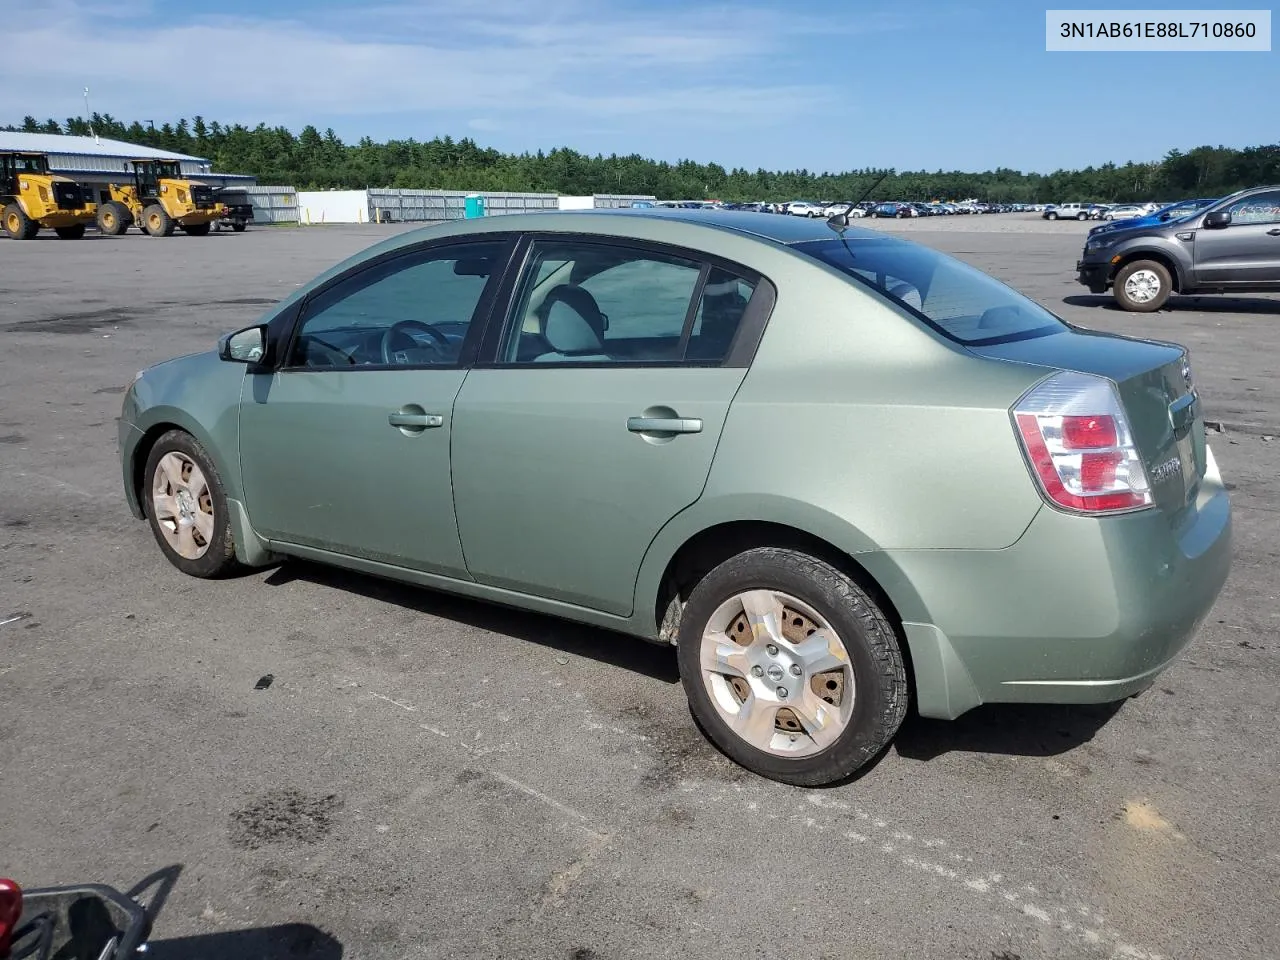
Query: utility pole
88 115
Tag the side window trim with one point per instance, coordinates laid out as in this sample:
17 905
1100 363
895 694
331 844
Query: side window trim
479 319
741 351
691 314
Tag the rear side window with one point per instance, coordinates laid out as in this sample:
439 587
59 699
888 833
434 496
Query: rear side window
952 297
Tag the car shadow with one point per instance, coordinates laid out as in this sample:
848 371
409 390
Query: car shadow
1210 304
1019 730
288 941
594 643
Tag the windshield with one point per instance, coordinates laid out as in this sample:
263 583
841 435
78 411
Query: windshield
955 299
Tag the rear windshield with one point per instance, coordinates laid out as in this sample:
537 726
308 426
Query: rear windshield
952 297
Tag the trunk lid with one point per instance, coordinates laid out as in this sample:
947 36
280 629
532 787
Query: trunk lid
1156 390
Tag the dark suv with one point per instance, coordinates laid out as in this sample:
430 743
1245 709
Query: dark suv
1232 246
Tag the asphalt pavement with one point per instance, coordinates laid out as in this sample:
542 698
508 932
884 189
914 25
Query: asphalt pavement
426 776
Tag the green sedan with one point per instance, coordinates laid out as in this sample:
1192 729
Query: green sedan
840 472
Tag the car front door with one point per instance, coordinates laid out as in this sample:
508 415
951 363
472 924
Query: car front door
345 447
1247 250
598 416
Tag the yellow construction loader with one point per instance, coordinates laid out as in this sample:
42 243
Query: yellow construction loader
159 199
33 197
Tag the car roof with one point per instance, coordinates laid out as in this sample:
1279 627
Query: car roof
782 230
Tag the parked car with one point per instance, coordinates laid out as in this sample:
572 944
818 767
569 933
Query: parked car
803 208
1173 211
553 412
844 207
1067 211
1230 246
1124 211
890 208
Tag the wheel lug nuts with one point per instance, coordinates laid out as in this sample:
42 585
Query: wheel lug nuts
782 693
795 669
757 671
773 651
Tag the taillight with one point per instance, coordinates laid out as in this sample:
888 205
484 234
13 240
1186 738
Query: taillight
1077 440
10 912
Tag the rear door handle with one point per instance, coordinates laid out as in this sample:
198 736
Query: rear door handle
420 420
1274 232
664 425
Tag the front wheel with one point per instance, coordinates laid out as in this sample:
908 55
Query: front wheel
157 222
1143 286
790 667
1082 215
238 227
1052 216
187 508
113 219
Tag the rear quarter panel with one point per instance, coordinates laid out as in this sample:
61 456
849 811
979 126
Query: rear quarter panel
861 427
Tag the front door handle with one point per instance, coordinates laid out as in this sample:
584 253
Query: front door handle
1274 232
421 421
664 425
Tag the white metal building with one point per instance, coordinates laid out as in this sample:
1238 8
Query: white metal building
96 162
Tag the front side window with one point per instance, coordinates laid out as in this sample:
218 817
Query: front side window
583 302
1259 208
952 297
413 310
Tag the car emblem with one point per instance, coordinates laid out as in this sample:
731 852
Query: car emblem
1169 468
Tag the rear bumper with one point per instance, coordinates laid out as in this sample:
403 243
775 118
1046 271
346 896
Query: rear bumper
1079 610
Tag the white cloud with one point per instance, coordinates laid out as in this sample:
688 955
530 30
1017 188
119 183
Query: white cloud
553 61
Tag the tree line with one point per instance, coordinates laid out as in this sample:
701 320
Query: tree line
315 160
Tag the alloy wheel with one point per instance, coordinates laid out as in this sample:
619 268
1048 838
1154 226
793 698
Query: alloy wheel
777 673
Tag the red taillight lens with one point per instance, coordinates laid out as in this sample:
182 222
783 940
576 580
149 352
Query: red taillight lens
1077 440
10 912
1088 433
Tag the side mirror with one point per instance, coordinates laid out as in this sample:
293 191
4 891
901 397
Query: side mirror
1217 219
244 346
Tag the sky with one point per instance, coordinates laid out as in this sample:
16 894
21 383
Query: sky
823 85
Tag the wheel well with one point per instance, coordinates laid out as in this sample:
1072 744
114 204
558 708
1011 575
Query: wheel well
140 454
1163 259
707 550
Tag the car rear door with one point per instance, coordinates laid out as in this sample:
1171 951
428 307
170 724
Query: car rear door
1246 252
570 452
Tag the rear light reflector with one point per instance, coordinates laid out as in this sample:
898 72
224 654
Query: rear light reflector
1077 441
10 913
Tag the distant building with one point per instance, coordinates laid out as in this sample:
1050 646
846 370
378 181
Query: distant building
97 162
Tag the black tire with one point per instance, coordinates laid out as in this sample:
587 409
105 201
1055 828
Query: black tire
73 232
881 693
238 227
113 219
220 557
1122 296
1051 216
1082 215
156 222
18 225
196 229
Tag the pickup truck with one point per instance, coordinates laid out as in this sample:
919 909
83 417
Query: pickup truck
239 210
1231 246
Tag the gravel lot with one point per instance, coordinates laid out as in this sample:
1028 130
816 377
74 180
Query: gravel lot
432 777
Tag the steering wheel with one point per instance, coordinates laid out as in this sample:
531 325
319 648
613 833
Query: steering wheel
400 327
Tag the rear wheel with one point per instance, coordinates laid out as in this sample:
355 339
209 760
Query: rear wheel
73 232
196 229
113 219
157 222
238 227
1143 286
790 667
17 224
187 508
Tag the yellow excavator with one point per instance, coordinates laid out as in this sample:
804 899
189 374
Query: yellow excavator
159 199
32 198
